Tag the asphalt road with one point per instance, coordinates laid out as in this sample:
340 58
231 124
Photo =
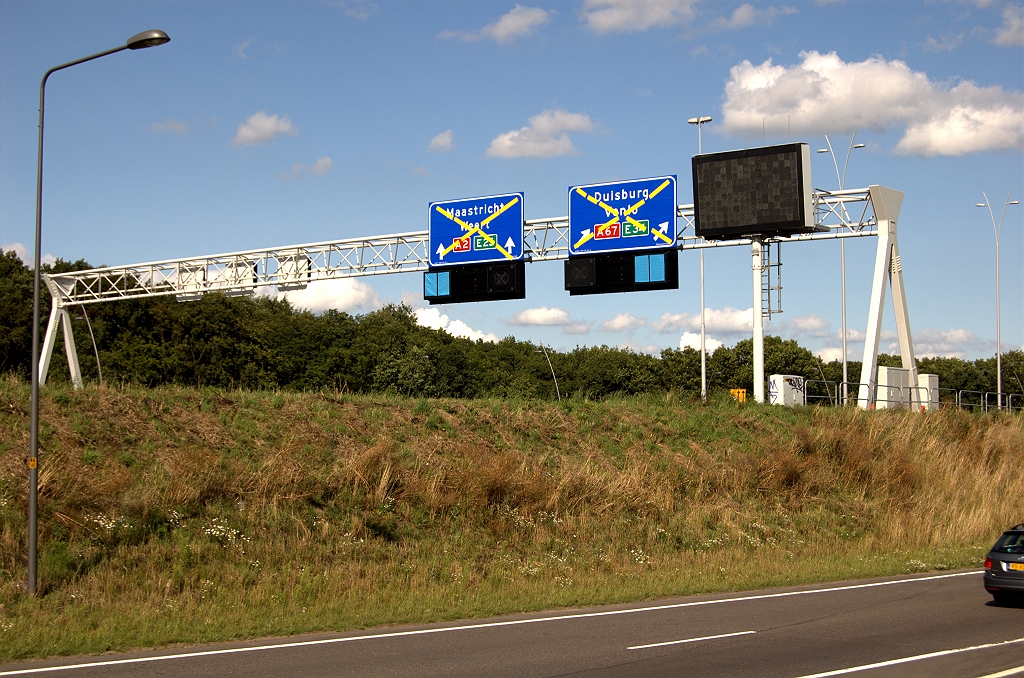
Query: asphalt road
926 625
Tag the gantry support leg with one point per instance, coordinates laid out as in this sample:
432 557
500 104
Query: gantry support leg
60 319
886 204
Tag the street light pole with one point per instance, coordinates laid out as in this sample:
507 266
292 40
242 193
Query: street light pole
139 41
842 247
702 120
997 231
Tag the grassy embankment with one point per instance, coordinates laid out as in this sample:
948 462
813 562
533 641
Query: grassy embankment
181 515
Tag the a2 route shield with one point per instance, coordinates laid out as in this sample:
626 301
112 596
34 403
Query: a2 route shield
623 215
476 230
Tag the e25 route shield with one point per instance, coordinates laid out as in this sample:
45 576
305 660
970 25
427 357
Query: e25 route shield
476 230
624 215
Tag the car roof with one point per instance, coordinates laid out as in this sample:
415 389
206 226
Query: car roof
1017 528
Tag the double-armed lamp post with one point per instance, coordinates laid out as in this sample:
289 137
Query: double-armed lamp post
140 41
842 244
998 230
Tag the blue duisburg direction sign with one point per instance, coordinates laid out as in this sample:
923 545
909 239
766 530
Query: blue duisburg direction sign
476 230
622 215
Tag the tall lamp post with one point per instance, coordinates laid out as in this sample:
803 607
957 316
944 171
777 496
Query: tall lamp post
997 230
702 120
842 244
140 41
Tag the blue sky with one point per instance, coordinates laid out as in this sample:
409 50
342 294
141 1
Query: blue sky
278 123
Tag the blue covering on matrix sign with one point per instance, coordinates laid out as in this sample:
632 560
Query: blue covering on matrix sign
476 230
649 268
436 284
624 215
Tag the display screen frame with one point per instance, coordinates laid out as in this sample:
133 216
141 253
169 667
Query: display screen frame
799 218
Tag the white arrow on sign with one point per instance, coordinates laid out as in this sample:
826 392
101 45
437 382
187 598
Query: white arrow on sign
663 227
509 244
440 252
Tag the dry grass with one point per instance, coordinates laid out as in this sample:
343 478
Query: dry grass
179 515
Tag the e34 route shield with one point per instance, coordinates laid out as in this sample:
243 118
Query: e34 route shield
476 230
623 215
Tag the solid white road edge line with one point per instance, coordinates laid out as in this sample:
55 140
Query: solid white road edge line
1007 672
915 658
691 640
466 627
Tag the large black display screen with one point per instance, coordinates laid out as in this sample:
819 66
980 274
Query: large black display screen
757 191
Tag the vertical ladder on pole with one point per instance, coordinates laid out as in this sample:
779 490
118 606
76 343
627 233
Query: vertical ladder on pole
771 272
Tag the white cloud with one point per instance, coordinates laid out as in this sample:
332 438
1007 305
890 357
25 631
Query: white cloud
747 15
546 136
26 256
954 343
442 143
623 322
433 318
618 16
239 50
261 128
825 94
357 9
170 125
724 321
541 316
520 22
1011 33
832 353
692 340
299 171
809 323
345 294
650 349
578 327
943 43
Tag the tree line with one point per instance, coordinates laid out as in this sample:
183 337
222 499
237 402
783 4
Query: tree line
264 343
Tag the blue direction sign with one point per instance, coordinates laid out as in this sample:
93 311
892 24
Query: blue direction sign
622 215
476 230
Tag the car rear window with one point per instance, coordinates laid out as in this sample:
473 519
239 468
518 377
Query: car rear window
1011 542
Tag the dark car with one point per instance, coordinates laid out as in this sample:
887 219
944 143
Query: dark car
1004 566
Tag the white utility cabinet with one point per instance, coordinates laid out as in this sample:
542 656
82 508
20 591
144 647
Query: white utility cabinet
893 388
786 389
928 391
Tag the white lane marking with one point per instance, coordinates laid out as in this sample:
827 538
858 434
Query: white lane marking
466 627
904 660
1003 674
691 640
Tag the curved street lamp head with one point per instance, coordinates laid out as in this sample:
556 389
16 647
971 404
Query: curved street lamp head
858 145
147 39
980 204
822 150
1013 202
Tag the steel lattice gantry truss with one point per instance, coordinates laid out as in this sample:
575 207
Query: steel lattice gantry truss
845 214
841 214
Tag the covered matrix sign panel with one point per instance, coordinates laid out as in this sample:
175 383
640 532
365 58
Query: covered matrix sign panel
762 191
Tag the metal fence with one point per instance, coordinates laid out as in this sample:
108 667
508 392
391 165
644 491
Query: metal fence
847 393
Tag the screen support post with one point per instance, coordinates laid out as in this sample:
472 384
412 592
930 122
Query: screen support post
756 251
